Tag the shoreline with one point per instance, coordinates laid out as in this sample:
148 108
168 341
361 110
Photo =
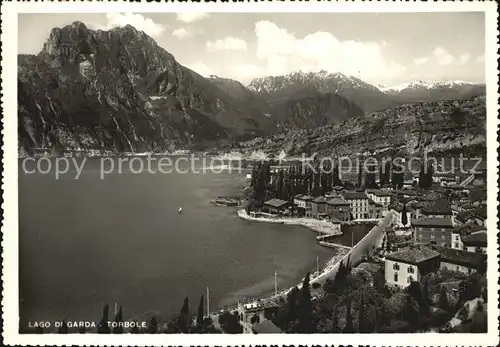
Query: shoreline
319 226
374 236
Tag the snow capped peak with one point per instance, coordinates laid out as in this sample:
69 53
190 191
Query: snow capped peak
419 84
322 80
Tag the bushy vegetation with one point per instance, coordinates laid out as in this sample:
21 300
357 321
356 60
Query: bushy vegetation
355 301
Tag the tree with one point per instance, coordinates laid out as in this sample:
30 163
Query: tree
484 294
415 291
261 182
229 323
119 322
425 305
335 320
425 175
63 329
469 289
340 279
385 173
361 315
349 326
404 216
410 314
103 327
480 320
397 176
305 307
184 320
336 176
388 244
375 320
279 185
286 191
360 175
199 317
370 177
443 302
152 326
255 173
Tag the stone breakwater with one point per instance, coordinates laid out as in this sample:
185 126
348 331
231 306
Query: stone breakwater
320 226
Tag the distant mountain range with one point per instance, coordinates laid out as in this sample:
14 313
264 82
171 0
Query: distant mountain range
367 96
435 90
118 91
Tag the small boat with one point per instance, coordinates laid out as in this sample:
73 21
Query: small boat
180 209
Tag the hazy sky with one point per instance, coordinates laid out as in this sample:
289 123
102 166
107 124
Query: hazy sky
380 48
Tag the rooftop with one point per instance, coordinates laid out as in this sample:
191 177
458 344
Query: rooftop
433 222
337 201
477 239
278 203
266 327
382 193
467 229
354 195
458 257
480 212
413 256
303 197
319 200
439 206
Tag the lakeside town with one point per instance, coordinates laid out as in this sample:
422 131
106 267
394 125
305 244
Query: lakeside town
436 225
320 173
418 264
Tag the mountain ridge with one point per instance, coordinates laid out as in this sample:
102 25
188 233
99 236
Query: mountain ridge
117 90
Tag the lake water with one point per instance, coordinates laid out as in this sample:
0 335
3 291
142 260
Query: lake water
86 242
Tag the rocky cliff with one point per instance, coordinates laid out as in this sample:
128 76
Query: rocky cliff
311 109
442 127
118 91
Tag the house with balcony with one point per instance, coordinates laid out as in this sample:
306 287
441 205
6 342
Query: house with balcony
434 230
403 268
381 197
302 205
358 201
250 314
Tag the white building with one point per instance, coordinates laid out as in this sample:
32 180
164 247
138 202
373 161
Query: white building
358 201
456 240
379 196
253 313
397 217
402 268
